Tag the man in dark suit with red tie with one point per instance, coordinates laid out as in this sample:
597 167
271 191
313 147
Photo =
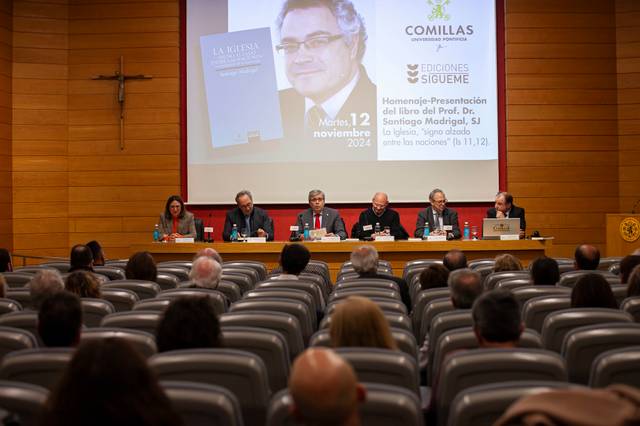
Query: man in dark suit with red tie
317 216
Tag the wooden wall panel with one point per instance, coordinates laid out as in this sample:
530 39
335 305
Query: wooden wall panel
6 45
562 117
115 196
40 133
628 66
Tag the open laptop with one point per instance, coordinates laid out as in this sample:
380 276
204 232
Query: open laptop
492 229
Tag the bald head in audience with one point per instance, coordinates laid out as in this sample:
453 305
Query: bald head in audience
587 257
324 389
454 259
205 272
465 286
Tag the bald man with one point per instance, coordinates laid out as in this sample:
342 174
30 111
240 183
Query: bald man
586 257
379 212
324 389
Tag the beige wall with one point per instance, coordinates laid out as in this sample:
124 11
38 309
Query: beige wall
565 90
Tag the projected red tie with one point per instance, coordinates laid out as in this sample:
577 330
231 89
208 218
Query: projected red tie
316 225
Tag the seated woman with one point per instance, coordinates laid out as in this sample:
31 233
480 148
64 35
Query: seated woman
507 262
189 323
358 321
176 222
633 283
141 266
108 383
593 291
83 283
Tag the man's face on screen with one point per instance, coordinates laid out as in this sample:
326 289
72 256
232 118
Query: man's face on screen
324 64
317 203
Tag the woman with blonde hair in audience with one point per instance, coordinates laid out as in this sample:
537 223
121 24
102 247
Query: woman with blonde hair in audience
83 283
633 283
107 383
357 321
507 262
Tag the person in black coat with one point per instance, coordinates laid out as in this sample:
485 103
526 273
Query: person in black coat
254 220
379 213
505 208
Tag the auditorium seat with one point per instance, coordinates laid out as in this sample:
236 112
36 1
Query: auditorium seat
38 366
246 271
619 292
607 262
415 267
307 319
477 263
9 305
167 281
259 267
421 299
616 366
25 320
31 269
310 287
119 263
631 305
286 324
536 309
242 281
484 404
465 369
93 310
381 262
269 345
385 366
444 322
350 273
615 269
242 373
464 338
429 312
17 279
512 284
582 345
523 294
230 289
142 341
484 271
365 292
137 320
121 299
385 405
286 293
62 267
494 278
218 299
157 304
557 324
20 295
185 264
15 339
111 272
569 279
367 283
324 284
387 305
181 273
143 289
23 400
200 404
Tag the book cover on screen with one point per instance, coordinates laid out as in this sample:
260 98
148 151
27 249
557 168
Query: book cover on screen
240 85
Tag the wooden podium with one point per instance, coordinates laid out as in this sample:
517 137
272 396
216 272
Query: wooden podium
623 233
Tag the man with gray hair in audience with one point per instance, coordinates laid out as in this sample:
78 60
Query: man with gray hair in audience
44 284
205 273
365 262
209 252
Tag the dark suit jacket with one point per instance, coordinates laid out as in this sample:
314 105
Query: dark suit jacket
449 217
331 221
514 212
258 219
402 285
389 218
361 102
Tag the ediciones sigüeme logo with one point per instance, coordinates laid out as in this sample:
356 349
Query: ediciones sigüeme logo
438 12
412 73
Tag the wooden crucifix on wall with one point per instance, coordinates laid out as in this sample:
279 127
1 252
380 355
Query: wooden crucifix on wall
121 78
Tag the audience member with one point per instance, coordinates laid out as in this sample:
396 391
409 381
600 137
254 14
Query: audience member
592 291
627 264
83 283
465 286
324 389
434 276
3 286
97 252
44 284
365 262
205 273
141 266
209 252
108 383
454 259
189 322
6 265
357 321
587 257
633 284
81 258
294 258
507 262
545 271
60 320
496 319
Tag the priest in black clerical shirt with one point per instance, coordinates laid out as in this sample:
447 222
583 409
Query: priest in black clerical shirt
388 219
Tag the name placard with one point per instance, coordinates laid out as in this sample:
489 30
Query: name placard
334 239
185 240
256 239
437 238
509 237
382 238
208 229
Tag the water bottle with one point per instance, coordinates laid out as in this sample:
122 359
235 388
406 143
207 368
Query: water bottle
156 234
465 232
426 231
234 233
306 235
377 228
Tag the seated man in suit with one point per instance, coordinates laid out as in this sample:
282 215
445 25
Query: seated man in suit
440 219
255 221
504 208
378 213
317 216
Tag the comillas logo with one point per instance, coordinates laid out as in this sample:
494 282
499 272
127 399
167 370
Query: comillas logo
438 12
437 30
